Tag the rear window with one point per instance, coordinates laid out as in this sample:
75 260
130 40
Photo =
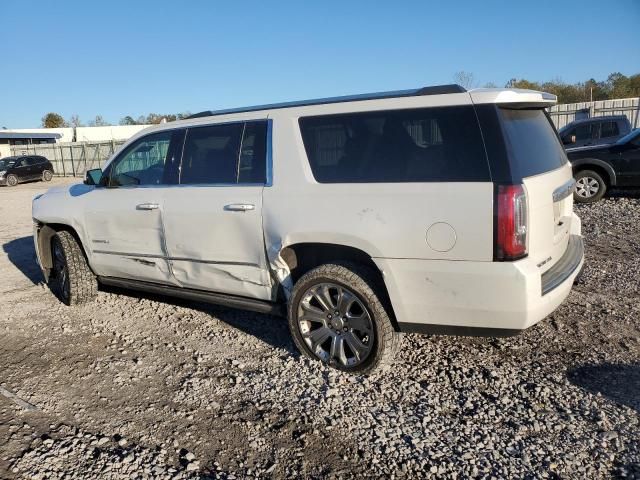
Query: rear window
420 145
533 144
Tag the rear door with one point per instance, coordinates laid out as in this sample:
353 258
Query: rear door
213 219
538 160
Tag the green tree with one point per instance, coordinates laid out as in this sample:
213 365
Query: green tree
53 120
128 120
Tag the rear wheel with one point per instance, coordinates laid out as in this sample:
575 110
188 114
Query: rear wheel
590 186
337 315
47 175
12 180
71 280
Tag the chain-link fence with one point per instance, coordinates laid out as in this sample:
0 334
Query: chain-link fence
72 159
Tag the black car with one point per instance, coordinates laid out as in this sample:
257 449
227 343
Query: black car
14 170
594 131
597 168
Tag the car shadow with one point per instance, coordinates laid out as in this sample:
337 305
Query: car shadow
616 381
22 253
271 329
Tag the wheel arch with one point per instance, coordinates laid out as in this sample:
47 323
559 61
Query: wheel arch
603 168
46 232
304 256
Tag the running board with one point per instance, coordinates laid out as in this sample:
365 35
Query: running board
223 299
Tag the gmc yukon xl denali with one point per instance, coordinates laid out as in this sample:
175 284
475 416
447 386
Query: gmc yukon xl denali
437 211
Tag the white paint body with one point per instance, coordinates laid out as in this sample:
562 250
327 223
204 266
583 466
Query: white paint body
433 242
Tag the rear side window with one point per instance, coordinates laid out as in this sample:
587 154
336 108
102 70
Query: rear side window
609 129
421 145
225 154
532 142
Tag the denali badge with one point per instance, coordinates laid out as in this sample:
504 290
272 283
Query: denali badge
546 260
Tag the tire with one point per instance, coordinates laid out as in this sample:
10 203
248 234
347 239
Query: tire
358 340
590 186
47 175
71 280
12 180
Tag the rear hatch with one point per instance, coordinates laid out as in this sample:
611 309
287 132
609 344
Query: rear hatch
538 161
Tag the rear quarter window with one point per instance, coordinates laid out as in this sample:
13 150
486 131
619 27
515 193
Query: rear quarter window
417 145
532 143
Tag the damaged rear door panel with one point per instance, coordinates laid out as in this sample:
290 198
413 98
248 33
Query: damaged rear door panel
213 247
213 218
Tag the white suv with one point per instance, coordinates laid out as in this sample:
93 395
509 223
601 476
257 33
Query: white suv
437 210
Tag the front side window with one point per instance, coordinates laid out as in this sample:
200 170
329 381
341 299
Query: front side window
583 132
421 145
152 160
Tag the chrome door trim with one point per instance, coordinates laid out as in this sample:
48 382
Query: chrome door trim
176 259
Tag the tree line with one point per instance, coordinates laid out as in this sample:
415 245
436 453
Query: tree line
616 85
55 120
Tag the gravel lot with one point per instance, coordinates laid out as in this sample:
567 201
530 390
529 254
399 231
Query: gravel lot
134 387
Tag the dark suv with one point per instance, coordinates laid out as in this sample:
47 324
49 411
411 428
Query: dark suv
594 131
14 170
597 168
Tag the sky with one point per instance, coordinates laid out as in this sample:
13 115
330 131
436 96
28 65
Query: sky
116 58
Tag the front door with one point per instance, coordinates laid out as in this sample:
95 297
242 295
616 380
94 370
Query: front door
213 219
123 216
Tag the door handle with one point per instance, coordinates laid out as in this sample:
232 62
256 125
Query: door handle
147 206
239 207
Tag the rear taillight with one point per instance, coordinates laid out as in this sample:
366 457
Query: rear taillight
511 223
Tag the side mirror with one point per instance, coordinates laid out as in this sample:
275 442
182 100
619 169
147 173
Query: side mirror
568 140
92 177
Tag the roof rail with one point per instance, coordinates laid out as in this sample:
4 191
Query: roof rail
415 92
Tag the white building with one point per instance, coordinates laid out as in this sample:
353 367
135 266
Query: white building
37 136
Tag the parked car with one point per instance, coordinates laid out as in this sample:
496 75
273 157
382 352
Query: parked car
595 169
437 210
14 170
594 131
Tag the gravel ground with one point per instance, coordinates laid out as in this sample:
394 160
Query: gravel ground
134 387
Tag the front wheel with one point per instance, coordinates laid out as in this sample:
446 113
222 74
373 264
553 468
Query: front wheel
337 315
12 180
47 175
590 186
71 279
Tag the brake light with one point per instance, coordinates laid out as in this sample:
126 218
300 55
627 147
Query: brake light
511 223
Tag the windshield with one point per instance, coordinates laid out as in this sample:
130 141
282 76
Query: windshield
6 163
634 134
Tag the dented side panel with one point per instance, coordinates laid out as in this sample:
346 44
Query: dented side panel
212 247
124 240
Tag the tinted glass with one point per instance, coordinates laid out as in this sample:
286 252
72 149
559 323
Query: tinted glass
609 129
430 144
211 154
532 142
583 132
253 154
152 160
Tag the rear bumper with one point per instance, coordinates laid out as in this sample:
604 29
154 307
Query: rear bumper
478 298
